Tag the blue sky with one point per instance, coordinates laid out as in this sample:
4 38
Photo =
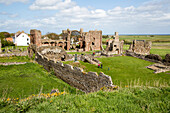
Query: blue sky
123 16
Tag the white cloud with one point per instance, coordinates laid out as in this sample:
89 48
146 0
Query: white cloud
77 20
51 4
143 18
9 14
7 2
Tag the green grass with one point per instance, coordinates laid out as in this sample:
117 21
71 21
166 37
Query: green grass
126 100
129 71
87 52
15 59
16 47
161 52
156 38
24 80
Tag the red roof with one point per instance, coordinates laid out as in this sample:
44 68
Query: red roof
9 39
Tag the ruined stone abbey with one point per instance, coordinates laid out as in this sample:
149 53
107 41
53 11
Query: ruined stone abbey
79 40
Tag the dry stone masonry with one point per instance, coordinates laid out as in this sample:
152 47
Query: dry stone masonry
75 76
114 46
71 39
12 63
35 37
54 53
141 47
50 57
159 68
91 40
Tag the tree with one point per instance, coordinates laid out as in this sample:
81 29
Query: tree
52 36
4 43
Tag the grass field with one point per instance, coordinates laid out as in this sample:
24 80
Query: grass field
128 71
126 100
140 90
15 47
23 80
155 38
87 52
15 59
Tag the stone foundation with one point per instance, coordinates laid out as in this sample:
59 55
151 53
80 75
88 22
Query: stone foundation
75 76
25 53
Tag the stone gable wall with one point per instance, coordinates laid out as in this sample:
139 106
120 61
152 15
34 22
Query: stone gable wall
141 47
75 76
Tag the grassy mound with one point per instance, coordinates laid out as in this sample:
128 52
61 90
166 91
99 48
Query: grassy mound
141 99
23 80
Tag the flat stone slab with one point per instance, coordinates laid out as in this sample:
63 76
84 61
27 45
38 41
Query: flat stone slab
159 68
12 63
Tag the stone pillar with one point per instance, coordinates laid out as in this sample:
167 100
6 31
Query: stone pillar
81 30
116 36
35 37
68 39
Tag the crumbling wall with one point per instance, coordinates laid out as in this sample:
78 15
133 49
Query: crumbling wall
52 52
24 53
114 46
167 60
35 37
91 40
75 76
141 47
151 57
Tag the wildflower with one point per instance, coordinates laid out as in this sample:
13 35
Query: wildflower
8 99
116 87
51 101
126 86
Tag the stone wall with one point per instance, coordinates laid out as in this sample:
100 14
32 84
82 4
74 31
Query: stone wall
167 60
25 53
52 52
12 63
141 47
35 37
152 57
114 46
91 40
75 76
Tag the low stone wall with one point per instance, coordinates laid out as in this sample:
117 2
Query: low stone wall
152 57
25 53
75 76
159 68
12 63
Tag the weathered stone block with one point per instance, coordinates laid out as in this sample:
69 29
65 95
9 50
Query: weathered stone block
154 57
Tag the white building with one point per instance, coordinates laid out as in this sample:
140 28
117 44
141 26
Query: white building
21 39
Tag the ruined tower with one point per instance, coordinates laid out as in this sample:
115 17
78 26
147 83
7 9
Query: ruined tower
93 40
141 47
67 36
114 46
35 37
